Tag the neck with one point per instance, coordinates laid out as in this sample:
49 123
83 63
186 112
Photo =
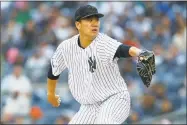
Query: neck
17 76
85 41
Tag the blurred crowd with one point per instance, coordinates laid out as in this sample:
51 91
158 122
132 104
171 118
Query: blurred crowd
31 32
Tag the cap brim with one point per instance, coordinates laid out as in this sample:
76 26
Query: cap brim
99 15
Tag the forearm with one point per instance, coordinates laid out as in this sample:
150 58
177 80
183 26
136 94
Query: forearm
125 51
133 51
51 86
51 82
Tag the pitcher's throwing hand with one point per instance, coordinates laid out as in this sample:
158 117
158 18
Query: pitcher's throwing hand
54 100
94 77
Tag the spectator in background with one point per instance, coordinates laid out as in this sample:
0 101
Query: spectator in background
163 104
166 106
18 90
148 105
153 25
15 106
17 82
166 24
161 37
41 13
133 118
140 24
47 33
36 65
12 55
179 38
63 29
46 49
11 34
130 38
29 36
22 13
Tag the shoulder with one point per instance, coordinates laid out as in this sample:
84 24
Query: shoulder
7 80
25 79
67 43
105 37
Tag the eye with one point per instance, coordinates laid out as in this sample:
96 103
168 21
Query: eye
89 19
97 18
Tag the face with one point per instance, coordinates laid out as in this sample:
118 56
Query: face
88 26
17 71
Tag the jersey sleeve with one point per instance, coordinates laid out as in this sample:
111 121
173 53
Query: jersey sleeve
108 48
58 62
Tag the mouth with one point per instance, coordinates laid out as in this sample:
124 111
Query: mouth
94 30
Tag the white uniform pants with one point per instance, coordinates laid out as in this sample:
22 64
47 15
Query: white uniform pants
114 110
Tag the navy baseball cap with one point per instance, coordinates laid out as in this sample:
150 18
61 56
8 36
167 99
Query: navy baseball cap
86 11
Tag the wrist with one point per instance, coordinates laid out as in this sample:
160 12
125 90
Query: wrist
50 93
51 86
135 51
139 51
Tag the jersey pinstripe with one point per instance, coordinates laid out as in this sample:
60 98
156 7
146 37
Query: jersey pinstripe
114 110
93 74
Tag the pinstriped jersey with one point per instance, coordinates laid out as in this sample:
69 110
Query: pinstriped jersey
93 72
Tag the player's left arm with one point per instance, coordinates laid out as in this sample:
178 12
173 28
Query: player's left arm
125 51
111 49
146 61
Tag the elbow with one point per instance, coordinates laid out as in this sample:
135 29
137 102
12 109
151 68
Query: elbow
50 74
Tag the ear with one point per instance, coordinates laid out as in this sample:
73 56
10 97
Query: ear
77 24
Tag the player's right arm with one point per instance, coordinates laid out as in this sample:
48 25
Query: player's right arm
52 98
56 67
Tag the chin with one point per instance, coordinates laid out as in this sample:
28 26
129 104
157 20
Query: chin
94 34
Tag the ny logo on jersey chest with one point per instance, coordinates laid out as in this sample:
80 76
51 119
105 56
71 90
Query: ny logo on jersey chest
92 64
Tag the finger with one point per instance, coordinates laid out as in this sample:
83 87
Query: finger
57 96
53 102
59 100
56 105
141 58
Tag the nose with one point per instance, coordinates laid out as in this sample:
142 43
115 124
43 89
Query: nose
95 22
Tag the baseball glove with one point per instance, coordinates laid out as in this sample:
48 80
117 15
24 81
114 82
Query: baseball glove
146 66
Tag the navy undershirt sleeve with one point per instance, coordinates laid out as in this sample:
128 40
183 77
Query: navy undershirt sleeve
50 74
122 51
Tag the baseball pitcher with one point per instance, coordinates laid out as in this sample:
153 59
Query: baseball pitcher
94 77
